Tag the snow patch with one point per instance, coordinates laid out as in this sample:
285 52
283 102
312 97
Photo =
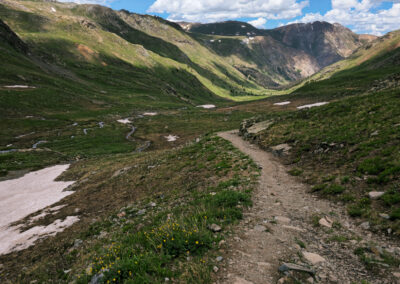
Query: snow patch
53 9
171 138
26 195
282 103
207 106
14 240
19 87
150 114
313 105
124 121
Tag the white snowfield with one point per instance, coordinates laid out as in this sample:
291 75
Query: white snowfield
282 104
312 105
171 138
150 114
19 87
207 106
124 121
24 196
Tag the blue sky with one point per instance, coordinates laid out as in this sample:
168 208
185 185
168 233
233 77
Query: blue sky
362 16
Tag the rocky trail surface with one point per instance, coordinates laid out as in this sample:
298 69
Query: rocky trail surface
288 225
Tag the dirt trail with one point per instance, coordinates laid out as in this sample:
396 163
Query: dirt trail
281 221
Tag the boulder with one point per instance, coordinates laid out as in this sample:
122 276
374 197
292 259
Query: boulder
326 222
313 258
281 150
215 228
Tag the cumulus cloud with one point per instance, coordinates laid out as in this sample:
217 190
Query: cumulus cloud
217 10
258 23
361 16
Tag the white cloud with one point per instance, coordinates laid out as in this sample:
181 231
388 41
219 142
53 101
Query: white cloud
217 10
258 23
361 16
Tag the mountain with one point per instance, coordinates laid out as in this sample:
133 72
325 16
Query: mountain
372 67
283 55
327 43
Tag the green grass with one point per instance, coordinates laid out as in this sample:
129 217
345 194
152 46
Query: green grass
352 162
172 239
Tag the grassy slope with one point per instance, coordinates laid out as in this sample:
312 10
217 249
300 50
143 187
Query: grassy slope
171 239
351 146
374 61
85 70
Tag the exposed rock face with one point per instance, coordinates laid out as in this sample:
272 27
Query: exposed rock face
8 36
284 54
326 42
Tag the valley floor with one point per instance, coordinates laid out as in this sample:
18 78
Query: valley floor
289 225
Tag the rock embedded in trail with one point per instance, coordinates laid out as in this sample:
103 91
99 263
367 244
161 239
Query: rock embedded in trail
285 267
326 222
281 219
365 226
239 280
260 228
313 258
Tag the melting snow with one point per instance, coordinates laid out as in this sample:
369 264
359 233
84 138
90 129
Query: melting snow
19 87
171 138
312 105
53 9
26 195
282 104
150 113
124 121
207 106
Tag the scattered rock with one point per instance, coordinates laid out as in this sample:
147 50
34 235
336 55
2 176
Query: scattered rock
365 226
285 267
258 127
219 258
260 228
326 222
121 214
310 280
215 228
77 243
239 280
221 243
313 258
281 219
396 274
376 133
293 228
141 212
280 150
283 280
375 194
151 205
384 216
97 279
215 269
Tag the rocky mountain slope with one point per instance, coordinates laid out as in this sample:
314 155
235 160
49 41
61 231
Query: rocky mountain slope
284 54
